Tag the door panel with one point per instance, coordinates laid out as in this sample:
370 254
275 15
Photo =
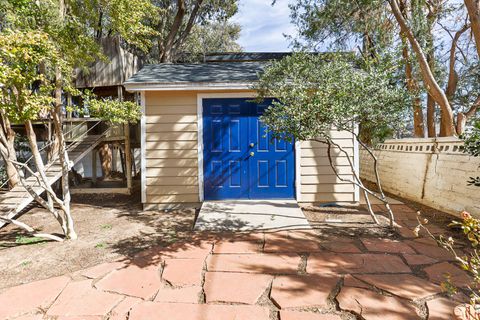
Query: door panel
225 169
272 164
232 131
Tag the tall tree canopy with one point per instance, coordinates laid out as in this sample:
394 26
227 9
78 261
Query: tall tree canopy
435 43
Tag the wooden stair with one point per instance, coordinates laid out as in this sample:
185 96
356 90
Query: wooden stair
14 201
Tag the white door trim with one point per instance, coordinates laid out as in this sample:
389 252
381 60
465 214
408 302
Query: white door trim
143 148
298 176
200 97
356 163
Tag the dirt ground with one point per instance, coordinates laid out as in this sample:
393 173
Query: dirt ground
108 227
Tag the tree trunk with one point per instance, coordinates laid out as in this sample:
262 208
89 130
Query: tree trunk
9 154
167 54
431 123
63 156
431 84
473 8
412 86
106 159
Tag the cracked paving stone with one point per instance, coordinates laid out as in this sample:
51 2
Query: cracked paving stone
31 296
302 290
403 285
81 299
373 306
132 281
184 311
235 287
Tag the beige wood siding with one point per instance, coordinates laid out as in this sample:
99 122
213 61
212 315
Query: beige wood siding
172 156
171 148
318 181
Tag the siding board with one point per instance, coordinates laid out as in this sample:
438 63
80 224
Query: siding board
172 156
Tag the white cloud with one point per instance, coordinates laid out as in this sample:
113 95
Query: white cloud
264 25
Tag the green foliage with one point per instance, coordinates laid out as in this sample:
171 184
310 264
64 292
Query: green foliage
211 37
112 110
342 23
28 240
472 146
313 95
26 92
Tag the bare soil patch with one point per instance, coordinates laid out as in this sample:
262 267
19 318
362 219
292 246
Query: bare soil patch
109 227
348 221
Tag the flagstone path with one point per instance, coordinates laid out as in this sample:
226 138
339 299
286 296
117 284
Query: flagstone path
286 275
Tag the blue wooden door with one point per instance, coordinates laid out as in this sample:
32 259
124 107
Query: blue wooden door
271 168
241 161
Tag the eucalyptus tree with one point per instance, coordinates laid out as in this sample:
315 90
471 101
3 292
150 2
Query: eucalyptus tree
432 37
316 96
451 124
179 19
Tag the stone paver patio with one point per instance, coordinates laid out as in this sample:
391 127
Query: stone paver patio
283 275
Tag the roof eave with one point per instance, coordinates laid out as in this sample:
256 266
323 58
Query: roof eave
186 86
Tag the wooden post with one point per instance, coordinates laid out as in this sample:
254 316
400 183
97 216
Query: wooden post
94 166
128 151
128 156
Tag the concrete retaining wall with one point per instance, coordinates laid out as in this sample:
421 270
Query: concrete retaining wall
433 172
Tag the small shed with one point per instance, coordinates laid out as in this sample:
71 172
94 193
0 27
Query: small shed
201 139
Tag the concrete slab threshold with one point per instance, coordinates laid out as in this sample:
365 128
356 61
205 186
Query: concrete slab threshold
248 215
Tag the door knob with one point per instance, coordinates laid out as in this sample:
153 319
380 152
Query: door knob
252 154
252 145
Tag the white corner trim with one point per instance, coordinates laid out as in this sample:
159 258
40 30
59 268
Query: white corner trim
143 148
200 146
192 86
298 174
356 163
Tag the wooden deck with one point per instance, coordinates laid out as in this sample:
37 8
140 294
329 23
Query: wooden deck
17 199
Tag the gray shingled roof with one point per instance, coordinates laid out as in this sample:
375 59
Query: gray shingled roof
198 72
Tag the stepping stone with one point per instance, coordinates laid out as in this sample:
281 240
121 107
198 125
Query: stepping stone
373 306
30 317
121 310
81 299
403 285
341 247
30 297
255 263
238 246
302 290
298 315
183 272
79 318
441 309
351 281
432 251
101 269
386 245
291 242
438 272
183 311
183 250
320 263
235 287
418 259
179 295
133 281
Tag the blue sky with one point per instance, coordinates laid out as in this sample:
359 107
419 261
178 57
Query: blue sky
263 26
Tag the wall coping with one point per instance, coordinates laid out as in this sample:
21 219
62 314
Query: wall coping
445 145
423 140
